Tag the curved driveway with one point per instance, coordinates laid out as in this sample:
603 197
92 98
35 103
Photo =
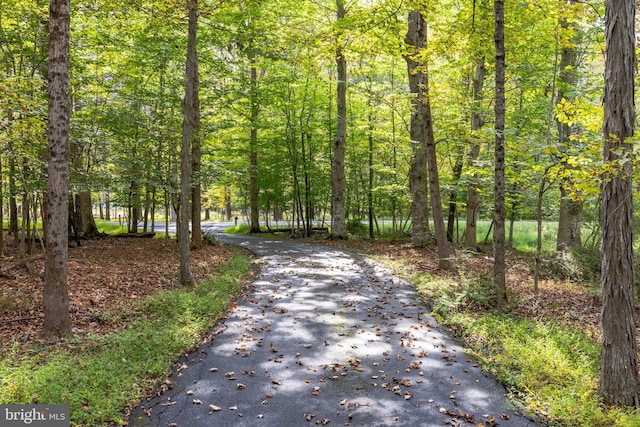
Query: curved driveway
326 337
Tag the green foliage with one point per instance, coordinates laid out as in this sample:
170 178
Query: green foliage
100 377
110 227
357 227
237 229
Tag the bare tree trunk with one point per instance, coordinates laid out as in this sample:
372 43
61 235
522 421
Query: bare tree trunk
189 129
107 207
253 155
2 213
619 369
370 211
338 179
453 195
227 203
13 205
196 145
544 186
570 220
416 39
570 215
473 194
57 322
499 267
87 221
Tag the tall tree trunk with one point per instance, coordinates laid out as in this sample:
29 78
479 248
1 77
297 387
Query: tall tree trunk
619 381
499 268
2 213
473 193
227 203
338 179
13 205
107 207
87 221
453 195
254 226
370 212
189 132
570 215
57 322
442 245
196 145
416 39
84 208
570 219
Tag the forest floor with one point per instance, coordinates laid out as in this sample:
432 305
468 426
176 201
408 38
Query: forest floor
105 275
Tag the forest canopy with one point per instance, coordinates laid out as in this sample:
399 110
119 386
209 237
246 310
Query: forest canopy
127 79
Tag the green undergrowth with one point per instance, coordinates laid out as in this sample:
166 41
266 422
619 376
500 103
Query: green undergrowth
99 377
550 370
237 229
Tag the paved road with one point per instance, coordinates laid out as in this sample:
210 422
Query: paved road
324 337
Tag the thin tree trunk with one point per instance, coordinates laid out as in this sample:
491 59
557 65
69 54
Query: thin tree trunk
370 212
416 39
538 259
57 322
442 245
338 179
227 203
499 267
1 212
570 215
473 193
453 195
196 145
189 131
13 205
619 380
107 207
253 151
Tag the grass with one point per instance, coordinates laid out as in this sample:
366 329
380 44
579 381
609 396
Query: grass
100 377
550 368
110 227
237 229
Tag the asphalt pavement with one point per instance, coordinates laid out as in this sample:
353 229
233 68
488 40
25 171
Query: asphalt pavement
326 337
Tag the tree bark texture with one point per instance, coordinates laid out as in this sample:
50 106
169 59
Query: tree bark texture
456 173
473 193
253 152
499 269
619 370
1 213
189 132
417 36
416 40
570 220
196 156
13 205
85 212
570 215
85 222
442 244
57 322
338 178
